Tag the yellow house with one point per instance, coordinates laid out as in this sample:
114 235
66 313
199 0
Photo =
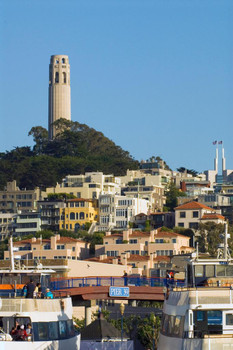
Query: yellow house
77 212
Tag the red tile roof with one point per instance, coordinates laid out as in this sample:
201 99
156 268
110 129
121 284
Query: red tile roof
193 205
139 234
213 216
163 234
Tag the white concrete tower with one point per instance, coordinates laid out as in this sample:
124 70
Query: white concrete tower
223 160
59 91
216 161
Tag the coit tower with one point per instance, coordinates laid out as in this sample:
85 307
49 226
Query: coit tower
59 91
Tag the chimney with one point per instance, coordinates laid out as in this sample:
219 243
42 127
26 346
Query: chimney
108 233
126 234
124 258
33 239
102 257
115 261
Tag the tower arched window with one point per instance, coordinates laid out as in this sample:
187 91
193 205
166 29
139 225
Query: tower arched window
63 60
72 216
57 77
82 215
64 77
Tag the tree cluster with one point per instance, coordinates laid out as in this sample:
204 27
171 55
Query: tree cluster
76 149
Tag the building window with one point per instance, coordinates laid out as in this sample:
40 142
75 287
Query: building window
180 224
73 249
193 225
195 214
182 214
60 246
81 216
47 247
173 240
72 216
63 60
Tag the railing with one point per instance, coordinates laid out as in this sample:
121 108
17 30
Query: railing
114 281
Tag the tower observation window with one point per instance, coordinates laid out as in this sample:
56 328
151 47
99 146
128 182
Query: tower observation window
57 77
63 60
64 77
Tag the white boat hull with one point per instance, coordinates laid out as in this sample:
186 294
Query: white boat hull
66 344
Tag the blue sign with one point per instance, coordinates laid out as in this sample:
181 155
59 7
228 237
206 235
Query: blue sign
122 292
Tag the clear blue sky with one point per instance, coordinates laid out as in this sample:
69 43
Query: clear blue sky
155 76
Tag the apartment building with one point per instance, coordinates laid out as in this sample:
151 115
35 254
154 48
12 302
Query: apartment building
56 247
140 243
189 215
50 213
13 198
77 212
117 211
27 223
88 186
6 224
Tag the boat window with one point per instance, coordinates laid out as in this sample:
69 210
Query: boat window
165 324
53 330
200 315
62 329
70 328
43 330
209 270
220 270
229 270
214 317
173 326
199 270
171 322
229 319
225 270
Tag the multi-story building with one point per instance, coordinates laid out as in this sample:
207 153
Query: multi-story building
88 186
27 223
117 211
7 224
56 247
189 215
50 212
143 243
78 212
13 198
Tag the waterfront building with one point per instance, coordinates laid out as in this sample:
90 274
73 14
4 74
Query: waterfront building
135 242
59 92
56 247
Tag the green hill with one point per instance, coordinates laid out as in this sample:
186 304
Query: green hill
76 149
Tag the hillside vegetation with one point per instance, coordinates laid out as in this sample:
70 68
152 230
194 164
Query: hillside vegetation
75 150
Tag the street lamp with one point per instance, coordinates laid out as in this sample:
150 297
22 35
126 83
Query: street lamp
122 310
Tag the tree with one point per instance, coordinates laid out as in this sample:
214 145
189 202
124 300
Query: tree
40 137
189 171
209 237
172 193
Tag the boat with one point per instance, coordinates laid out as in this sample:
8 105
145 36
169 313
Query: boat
199 314
50 320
